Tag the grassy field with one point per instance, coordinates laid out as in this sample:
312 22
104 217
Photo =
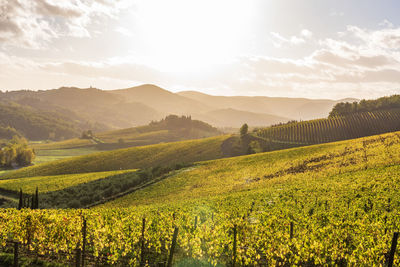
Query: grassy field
131 158
57 182
66 144
47 155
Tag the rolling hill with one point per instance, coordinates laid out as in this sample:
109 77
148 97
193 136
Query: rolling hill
293 108
166 154
124 108
162 100
272 170
18 119
333 204
335 128
170 129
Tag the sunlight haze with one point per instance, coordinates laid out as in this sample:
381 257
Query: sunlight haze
313 49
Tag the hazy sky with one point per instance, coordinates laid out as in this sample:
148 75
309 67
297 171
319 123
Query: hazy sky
301 48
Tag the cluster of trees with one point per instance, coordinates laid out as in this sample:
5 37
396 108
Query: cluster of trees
347 108
174 122
28 202
16 153
87 134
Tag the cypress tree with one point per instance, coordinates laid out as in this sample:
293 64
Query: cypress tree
33 202
20 203
37 198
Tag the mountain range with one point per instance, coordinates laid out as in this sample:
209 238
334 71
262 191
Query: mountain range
101 110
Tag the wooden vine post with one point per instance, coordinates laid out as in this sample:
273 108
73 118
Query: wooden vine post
78 257
393 249
172 249
83 241
142 256
291 230
234 249
16 244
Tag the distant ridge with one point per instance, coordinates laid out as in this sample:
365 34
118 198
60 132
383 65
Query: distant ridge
98 109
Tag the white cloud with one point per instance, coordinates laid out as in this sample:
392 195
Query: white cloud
386 23
306 33
34 24
279 41
357 63
123 31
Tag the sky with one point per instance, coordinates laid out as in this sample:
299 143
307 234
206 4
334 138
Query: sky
303 48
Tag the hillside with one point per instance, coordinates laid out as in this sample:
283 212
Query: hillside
278 169
330 204
170 129
18 119
162 100
334 128
166 154
98 110
92 105
293 108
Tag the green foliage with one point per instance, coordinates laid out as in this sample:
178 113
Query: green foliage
23 120
16 153
254 147
383 103
244 129
55 183
334 128
342 198
87 134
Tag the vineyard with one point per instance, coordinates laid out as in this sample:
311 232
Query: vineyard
320 205
335 128
56 182
165 154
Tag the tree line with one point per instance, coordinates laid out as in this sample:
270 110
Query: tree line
347 108
16 153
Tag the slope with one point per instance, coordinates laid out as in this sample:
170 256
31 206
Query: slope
170 129
294 108
334 204
161 100
92 104
166 154
266 171
335 128
36 125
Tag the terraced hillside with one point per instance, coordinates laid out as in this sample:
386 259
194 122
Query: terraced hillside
167 154
334 128
334 204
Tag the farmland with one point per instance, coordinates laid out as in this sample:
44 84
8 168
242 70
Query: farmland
52 183
129 158
335 128
340 200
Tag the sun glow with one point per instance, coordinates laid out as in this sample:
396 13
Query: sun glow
190 36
